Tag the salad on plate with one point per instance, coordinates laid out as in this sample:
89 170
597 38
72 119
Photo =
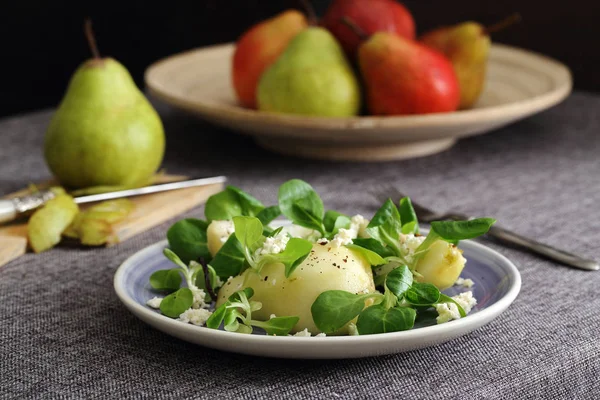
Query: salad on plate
319 273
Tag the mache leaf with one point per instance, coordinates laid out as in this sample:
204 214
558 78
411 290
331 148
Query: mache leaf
301 204
248 230
250 205
187 238
177 303
214 321
399 280
408 217
372 258
222 206
230 259
291 257
386 225
335 308
330 218
378 319
373 245
454 231
268 214
277 326
166 279
422 294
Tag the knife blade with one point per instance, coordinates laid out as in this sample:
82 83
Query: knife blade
10 209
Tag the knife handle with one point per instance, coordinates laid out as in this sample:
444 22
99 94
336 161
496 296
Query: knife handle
512 238
23 205
8 211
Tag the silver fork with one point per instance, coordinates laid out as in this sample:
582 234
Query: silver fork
500 234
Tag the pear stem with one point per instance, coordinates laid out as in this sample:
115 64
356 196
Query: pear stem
355 28
505 23
310 12
89 34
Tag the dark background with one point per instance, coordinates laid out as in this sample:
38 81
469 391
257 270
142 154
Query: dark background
42 41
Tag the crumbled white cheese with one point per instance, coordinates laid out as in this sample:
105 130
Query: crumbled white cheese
358 226
449 311
412 242
272 316
464 282
352 329
304 333
198 299
466 301
409 244
343 237
446 312
154 302
273 245
195 316
218 282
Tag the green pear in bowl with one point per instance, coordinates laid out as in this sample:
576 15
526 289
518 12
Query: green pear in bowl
311 77
105 132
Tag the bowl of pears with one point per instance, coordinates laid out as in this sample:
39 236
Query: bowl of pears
359 84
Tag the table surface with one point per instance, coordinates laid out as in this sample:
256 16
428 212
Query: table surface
65 334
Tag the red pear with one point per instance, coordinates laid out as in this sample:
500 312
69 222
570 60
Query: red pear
402 76
370 16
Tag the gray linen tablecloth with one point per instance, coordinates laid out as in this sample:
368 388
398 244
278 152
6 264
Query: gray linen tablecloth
64 333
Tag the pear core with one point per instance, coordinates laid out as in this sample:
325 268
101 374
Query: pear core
105 132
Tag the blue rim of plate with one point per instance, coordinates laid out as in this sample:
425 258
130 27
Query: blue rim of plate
511 281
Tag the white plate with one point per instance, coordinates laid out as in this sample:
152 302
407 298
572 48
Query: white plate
497 283
519 83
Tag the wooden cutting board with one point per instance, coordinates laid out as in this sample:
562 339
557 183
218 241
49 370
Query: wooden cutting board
150 210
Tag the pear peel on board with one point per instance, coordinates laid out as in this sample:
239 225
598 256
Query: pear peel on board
47 224
149 211
93 227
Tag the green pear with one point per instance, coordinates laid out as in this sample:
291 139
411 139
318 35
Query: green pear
105 132
311 77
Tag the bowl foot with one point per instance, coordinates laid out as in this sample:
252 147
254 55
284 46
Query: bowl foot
354 151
